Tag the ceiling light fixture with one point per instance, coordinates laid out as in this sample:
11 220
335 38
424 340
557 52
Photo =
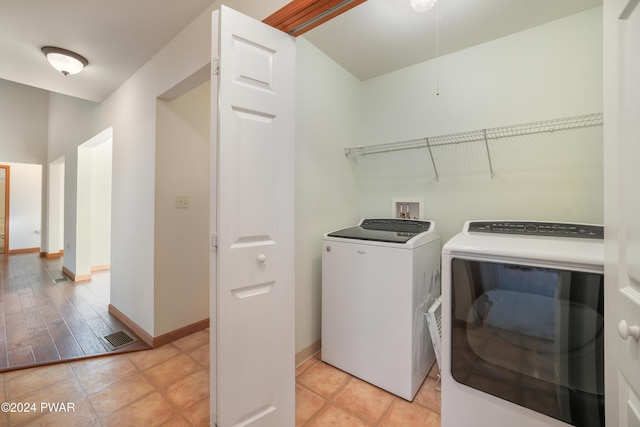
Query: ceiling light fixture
422 5
63 60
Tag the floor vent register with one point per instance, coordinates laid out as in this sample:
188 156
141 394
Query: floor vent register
119 339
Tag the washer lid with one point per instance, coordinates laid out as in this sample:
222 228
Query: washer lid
389 230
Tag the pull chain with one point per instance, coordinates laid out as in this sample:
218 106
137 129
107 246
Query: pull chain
437 50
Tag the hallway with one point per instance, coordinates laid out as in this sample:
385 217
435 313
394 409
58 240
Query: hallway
43 322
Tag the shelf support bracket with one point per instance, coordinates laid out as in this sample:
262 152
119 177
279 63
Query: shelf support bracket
433 162
486 144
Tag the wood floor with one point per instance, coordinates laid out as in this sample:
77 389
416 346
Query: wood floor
43 321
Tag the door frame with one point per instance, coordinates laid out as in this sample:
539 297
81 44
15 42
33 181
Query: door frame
6 206
299 16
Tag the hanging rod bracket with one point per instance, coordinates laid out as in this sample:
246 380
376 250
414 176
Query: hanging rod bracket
486 145
433 162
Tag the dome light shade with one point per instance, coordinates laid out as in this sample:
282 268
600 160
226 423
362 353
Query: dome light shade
422 5
65 61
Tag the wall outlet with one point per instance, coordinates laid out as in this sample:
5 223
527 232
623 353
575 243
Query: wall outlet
182 202
407 207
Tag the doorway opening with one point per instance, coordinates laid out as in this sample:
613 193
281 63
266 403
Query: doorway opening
4 209
55 212
87 231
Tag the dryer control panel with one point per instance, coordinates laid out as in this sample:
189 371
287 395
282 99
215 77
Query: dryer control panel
556 229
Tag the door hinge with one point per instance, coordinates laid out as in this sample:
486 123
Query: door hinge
214 242
215 67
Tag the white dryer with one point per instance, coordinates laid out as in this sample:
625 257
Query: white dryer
379 279
523 325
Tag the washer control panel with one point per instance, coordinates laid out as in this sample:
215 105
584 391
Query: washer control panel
556 229
395 224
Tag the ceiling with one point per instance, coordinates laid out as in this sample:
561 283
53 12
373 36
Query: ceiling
381 36
116 36
119 36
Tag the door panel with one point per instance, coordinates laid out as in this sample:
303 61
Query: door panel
254 346
252 151
628 360
629 132
622 212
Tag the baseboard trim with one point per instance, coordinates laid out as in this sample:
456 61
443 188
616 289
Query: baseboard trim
75 277
162 339
51 254
181 332
23 251
141 333
307 353
101 267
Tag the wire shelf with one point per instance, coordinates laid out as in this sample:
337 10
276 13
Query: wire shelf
482 135
588 120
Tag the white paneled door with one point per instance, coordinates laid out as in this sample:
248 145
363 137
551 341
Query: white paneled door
253 77
622 211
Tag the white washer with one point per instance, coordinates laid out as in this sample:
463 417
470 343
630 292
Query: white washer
523 325
378 281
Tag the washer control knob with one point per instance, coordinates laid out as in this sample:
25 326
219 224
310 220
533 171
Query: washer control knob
627 331
262 258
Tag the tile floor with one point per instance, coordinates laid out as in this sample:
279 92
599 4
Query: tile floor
326 396
165 386
169 386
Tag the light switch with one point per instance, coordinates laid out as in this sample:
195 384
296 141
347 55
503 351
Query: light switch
182 201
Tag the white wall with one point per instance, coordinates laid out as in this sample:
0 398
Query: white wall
23 139
25 206
93 205
82 243
328 106
101 176
72 122
23 123
182 234
54 237
553 70
548 72
132 112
